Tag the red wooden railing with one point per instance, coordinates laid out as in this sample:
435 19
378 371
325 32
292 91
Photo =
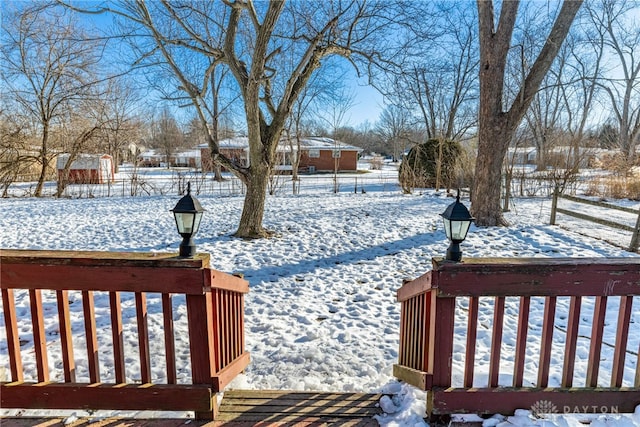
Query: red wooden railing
215 340
448 297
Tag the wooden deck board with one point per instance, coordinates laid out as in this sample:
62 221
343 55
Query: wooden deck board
269 407
244 408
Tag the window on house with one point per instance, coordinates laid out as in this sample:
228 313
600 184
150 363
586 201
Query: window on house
314 153
336 154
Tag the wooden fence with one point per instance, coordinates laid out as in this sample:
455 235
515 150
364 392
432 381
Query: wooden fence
215 342
635 240
428 322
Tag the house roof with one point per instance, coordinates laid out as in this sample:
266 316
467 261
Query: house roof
322 143
82 161
308 143
236 143
150 154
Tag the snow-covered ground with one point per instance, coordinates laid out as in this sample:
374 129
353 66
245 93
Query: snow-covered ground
321 313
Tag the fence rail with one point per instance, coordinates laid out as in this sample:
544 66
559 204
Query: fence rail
154 181
555 209
215 338
428 321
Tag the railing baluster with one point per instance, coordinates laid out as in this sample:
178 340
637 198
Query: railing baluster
143 337
406 332
169 339
496 341
411 350
472 330
66 338
429 301
217 344
404 322
117 337
622 333
571 341
88 309
546 340
418 309
521 341
599 314
225 330
238 316
13 338
241 323
39 338
422 332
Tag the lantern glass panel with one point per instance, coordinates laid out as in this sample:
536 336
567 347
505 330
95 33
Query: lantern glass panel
196 222
456 229
184 222
459 229
447 227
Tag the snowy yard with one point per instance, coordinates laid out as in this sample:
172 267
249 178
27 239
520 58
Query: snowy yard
321 313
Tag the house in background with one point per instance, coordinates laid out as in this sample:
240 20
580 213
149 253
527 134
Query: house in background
236 149
187 158
87 169
151 158
183 158
317 154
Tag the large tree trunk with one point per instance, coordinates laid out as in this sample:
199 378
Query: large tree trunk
496 126
250 226
487 184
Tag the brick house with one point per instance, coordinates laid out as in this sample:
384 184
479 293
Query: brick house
317 154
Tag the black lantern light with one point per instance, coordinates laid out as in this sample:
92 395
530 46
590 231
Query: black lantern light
457 221
188 213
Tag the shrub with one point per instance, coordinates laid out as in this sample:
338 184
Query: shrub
419 167
615 188
633 188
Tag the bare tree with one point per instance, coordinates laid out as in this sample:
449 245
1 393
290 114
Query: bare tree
620 33
446 89
167 135
496 126
121 122
79 129
333 112
255 36
296 127
436 74
48 67
563 107
16 158
395 126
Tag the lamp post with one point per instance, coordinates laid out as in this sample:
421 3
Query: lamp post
457 221
188 213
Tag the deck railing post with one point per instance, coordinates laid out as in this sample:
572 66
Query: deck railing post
201 345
